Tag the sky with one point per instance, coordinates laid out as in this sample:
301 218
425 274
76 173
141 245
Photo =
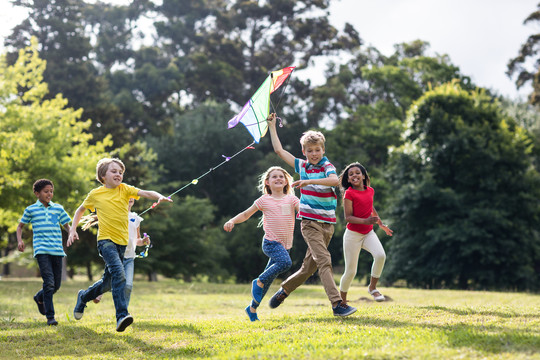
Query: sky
479 36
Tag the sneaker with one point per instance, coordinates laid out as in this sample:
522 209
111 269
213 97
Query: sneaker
256 291
124 322
252 316
52 322
78 312
343 309
40 306
277 299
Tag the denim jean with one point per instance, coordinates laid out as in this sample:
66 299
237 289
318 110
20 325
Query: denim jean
113 277
50 267
129 269
279 262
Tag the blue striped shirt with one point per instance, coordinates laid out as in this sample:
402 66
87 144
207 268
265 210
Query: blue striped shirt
317 202
46 222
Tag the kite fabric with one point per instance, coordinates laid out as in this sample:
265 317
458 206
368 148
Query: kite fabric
255 112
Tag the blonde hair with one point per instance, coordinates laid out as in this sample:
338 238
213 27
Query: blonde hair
312 137
265 189
103 165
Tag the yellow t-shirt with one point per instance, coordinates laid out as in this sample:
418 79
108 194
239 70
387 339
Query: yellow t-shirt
111 207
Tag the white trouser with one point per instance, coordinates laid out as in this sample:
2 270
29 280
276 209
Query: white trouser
353 242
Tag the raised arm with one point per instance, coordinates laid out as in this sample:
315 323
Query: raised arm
278 149
240 218
73 230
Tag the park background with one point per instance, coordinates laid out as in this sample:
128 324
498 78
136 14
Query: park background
455 166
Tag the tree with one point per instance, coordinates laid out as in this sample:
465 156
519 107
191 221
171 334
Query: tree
526 64
466 196
41 138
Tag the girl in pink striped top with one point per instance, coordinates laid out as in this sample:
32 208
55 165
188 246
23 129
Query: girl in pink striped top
278 205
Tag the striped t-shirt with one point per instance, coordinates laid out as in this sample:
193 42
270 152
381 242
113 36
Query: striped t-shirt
317 202
46 222
278 218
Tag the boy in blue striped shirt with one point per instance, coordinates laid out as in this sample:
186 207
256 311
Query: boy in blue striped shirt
318 203
46 218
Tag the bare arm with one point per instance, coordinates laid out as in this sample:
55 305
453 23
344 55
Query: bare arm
348 209
149 194
386 229
73 230
20 243
240 218
331 180
278 149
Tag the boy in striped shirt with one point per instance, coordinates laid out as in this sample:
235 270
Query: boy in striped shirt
318 203
46 218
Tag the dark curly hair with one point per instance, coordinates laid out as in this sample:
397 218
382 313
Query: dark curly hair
41 183
344 178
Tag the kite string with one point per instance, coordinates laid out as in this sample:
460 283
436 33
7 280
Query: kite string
196 180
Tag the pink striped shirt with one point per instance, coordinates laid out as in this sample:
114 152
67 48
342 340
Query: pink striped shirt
278 218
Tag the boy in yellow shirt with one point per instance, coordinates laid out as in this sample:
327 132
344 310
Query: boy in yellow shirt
110 202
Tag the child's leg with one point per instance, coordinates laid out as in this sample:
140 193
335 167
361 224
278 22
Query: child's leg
352 244
280 261
317 236
113 256
129 268
373 245
46 293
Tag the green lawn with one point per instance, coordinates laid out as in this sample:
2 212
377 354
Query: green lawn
174 320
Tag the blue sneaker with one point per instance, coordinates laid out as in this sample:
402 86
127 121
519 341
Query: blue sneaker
78 312
252 316
256 291
277 299
52 322
40 306
343 309
124 322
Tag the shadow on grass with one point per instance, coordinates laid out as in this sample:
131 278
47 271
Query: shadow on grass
86 342
469 312
490 339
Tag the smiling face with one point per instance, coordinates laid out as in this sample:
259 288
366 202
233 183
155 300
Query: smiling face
356 178
276 181
45 195
313 153
113 176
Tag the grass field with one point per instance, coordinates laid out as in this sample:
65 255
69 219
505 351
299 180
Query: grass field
192 321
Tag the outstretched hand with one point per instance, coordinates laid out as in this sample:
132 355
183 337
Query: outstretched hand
228 226
271 119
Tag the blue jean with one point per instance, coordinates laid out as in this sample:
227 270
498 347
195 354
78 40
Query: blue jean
114 277
129 269
50 267
279 262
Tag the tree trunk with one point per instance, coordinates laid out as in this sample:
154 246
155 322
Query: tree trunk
89 271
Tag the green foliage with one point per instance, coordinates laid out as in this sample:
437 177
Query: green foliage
466 198
184 245
40 139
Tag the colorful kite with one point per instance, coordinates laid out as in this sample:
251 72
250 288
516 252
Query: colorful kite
254 114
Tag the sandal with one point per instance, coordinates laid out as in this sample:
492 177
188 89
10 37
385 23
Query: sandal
379 297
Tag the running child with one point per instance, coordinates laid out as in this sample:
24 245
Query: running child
318 203
110 202
46 218
360 215
278 204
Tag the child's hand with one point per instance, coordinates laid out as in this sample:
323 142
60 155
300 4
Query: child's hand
146 239
228 226
20 246
386 229
72 237
372 220
271 119
300 183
